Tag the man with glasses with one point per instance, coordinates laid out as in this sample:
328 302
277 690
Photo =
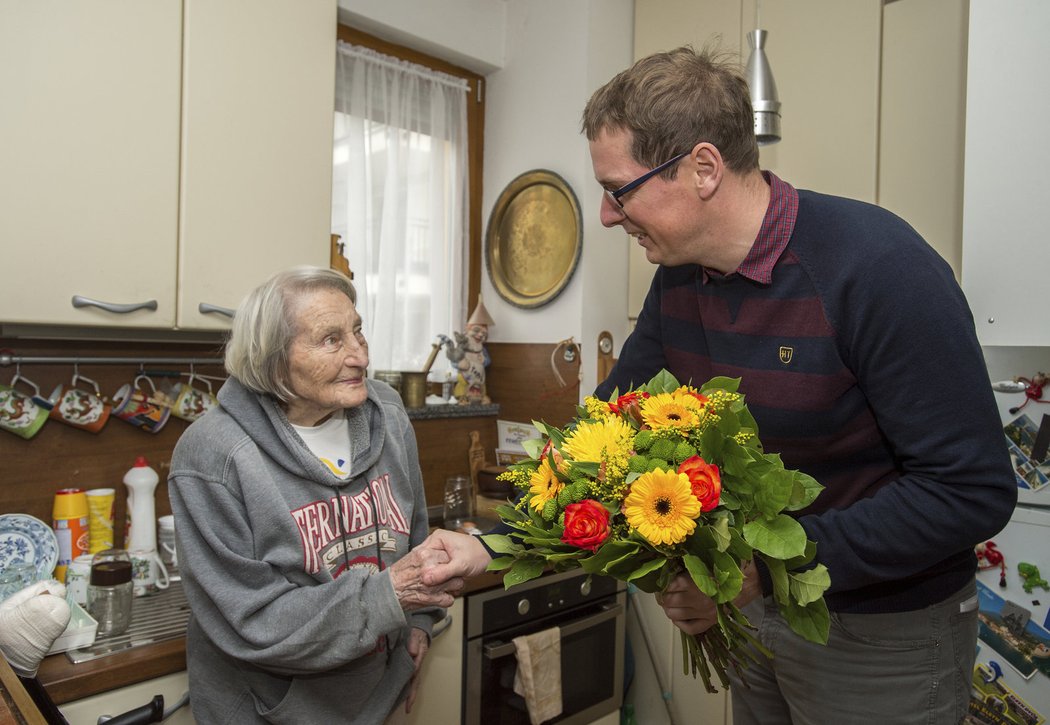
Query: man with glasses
859 360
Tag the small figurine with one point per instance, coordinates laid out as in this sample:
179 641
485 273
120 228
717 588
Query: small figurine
989 557
471 358
1030 574
1033 389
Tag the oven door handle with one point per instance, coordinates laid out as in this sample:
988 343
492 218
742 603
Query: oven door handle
495 650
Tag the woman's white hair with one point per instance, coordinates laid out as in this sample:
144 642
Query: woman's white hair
264 327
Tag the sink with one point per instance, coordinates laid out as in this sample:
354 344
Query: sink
154 618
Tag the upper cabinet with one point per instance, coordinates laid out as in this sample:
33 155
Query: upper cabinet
1005 250
162 158
89 166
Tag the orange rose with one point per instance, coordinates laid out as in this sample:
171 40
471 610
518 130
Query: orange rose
628 404
586 524
705 479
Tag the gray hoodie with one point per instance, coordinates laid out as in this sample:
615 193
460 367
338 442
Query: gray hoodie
285 565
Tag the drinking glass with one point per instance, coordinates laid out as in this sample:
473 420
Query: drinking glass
459 501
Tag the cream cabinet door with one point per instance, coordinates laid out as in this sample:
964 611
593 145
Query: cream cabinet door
258 104
441 684
89 160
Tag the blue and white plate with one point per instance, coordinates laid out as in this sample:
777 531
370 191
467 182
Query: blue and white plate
27 539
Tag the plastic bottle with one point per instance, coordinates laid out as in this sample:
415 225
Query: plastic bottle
141 532
110 591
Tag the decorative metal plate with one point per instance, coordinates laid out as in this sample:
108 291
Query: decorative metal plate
534 239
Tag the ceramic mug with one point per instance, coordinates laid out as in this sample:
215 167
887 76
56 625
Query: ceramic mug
19 414
78 575
144 410
147 572
166 541
80 408
191 402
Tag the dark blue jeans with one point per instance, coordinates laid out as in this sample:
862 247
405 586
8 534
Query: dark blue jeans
907 667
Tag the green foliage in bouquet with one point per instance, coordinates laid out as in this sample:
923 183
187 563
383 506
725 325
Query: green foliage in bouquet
662 480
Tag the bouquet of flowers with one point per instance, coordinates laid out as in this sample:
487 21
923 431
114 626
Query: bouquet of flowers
665 479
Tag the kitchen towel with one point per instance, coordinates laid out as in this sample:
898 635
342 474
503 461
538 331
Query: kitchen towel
538 678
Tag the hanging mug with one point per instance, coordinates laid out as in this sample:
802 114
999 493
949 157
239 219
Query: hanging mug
147 572
190 401
143 409
80 408
21 414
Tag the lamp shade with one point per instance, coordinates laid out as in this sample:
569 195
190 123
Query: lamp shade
764 100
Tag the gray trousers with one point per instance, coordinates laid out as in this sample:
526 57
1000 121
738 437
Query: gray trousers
908 667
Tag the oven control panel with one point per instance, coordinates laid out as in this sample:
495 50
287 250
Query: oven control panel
548 595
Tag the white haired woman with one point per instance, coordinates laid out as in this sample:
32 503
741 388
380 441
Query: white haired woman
297 502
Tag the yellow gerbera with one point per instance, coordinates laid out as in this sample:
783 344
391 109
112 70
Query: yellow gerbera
677 410
662 507
599 441
543 486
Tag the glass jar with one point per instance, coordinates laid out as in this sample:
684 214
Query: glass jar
111 591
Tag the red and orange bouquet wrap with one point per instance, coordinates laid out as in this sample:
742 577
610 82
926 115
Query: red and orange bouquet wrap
664 479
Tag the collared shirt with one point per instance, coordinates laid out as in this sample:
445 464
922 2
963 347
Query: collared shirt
772 239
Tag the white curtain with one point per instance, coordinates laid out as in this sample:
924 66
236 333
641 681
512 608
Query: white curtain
399 201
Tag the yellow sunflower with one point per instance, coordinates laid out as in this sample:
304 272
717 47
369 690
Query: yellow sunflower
543 486
662 507
672 411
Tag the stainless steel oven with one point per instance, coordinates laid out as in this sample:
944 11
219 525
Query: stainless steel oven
589 612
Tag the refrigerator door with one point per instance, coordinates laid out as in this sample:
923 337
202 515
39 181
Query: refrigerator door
1012 676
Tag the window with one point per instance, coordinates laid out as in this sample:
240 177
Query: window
406 162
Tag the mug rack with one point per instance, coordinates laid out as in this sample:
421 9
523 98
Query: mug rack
9 359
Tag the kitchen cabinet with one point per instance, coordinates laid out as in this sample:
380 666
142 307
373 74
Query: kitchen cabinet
656 647
175 153
1005 254
87 711
438 699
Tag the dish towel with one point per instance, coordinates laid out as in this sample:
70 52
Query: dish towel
538 678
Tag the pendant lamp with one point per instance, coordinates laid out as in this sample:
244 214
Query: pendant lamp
764 100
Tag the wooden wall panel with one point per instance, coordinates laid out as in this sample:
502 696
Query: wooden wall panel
522 380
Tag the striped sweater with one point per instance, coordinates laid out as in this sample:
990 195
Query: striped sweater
859 360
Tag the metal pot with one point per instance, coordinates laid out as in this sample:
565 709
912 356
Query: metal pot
414 389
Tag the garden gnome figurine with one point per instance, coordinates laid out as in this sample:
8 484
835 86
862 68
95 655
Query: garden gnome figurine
471 357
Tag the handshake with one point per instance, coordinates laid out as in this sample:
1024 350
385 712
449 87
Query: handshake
435 571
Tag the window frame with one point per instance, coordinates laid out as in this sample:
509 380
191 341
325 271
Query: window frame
475 138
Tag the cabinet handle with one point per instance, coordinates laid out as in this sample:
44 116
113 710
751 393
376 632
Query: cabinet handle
441 627
80 301
204 308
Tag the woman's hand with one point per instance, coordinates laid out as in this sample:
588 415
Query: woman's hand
692 611
406 575
418 644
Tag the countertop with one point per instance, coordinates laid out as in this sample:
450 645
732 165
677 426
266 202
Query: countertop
66 682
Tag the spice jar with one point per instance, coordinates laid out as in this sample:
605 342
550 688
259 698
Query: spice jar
111 591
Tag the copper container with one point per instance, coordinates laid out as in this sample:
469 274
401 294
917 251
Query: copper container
414 389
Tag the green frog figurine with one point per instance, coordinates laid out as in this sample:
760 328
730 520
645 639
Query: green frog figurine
1030 574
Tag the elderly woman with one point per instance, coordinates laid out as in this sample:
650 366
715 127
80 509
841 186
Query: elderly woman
297 503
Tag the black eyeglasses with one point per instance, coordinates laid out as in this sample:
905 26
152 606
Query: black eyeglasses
632 185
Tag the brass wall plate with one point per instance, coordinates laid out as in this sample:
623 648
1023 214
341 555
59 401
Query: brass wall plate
534 239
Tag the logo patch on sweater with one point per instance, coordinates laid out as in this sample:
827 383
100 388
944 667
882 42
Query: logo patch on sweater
786 353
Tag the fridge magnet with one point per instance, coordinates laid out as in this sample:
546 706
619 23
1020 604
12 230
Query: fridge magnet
989 557
993 701
1030 577
1027 652
1032 474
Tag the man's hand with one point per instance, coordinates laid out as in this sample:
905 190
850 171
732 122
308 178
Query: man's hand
418 644
464 557
692 611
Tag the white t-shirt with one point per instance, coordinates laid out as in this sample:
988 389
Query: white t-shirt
330 442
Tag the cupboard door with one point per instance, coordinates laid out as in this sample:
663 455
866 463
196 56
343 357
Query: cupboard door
258 104
89 161
439 697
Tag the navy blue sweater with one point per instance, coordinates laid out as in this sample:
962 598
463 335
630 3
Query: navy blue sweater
861 365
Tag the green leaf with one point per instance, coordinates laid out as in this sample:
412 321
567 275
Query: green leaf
730 385
739 548
809 586
773 491
797 562
662 382
778 575
522 571
646 569
588 468
534 447
501 543
500 563
701 575
804 492
608 553
811 622
782 537
728 577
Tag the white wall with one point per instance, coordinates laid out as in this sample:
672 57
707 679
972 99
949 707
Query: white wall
549 56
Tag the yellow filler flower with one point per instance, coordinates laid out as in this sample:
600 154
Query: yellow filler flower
662 507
